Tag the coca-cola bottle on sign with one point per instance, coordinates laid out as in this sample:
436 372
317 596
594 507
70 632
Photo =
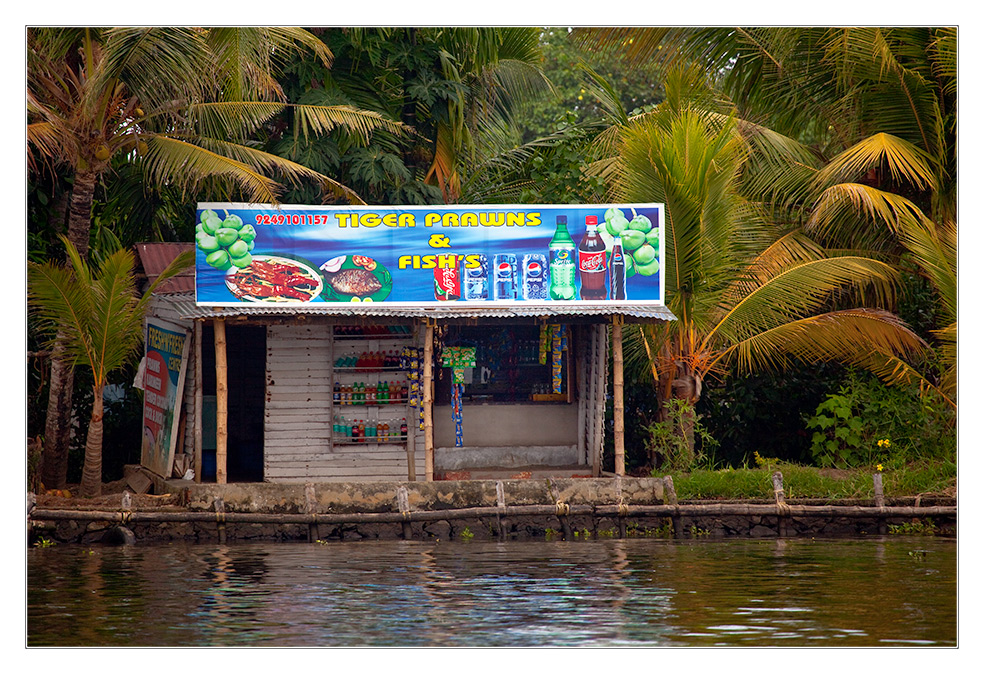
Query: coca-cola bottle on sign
591 262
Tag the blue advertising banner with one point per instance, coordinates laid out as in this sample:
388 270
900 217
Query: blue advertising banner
418 255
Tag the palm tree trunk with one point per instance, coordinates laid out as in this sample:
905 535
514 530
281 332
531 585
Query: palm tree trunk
92 468
687 386
80 211
57 427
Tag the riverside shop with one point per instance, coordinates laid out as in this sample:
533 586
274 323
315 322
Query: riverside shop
318 344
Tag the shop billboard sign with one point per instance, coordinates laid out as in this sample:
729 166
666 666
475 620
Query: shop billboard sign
418 255
164 365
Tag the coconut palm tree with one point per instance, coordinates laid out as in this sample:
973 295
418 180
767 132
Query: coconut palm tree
181 104
930 245
98 316
878 108
746 296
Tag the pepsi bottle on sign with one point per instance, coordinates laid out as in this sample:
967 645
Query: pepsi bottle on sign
591 262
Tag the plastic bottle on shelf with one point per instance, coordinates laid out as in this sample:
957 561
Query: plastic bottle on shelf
403 428
336 393
386 430
371 394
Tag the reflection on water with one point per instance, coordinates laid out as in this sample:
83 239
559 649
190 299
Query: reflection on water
641 592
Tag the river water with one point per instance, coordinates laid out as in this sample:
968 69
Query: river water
887 591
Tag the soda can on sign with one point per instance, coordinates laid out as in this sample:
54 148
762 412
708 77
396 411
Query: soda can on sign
535 280
504 275
447 282
477 280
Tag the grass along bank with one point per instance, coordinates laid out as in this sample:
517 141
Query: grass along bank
806 482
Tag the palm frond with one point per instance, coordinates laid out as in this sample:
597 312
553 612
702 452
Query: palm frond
186 165
800 290
839 215
944 50
267 163
895 371
246 58
905 162
318 119
947 338
849 336
156 63
114 326
934 250
788 250
61 305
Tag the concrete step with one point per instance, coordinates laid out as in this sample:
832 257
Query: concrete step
515 473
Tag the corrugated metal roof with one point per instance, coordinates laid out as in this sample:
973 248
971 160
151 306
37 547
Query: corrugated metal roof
186 308
155 257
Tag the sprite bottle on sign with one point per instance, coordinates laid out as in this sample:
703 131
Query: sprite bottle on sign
561 253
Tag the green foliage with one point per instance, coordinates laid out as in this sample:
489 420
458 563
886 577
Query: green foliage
764 412
924 527
456 88
839 438
673 440
636 85
867 422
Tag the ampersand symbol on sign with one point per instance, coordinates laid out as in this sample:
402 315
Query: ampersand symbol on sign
439 241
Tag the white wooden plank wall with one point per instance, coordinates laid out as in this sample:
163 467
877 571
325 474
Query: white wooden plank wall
299 417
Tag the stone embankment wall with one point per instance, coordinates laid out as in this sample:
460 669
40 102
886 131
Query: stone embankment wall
463 510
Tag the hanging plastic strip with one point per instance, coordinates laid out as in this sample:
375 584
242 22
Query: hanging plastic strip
456 392
556 354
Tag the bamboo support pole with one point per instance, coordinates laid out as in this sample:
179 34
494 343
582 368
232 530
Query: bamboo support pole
594 394
221 402
199 400
617 396
428 385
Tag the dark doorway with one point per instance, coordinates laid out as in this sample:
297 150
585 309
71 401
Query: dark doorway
246 359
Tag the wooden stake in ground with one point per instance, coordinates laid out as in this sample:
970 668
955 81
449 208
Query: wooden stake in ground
428 385
617 394
221 402
198 401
